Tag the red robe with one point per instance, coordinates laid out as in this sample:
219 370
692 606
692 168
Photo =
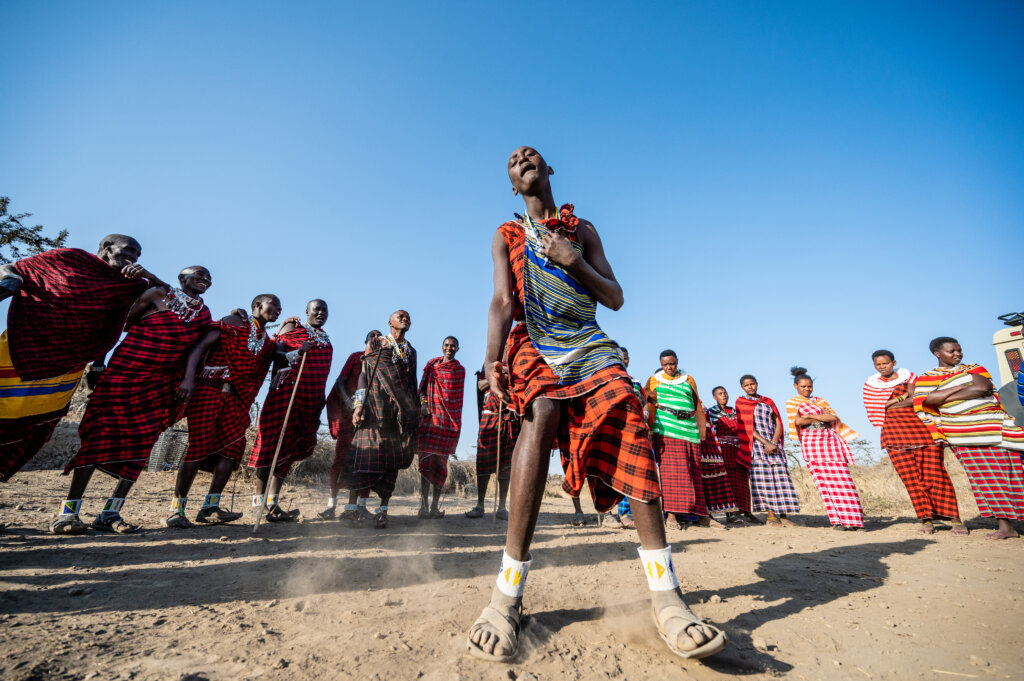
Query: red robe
217 419
304 421
443 385
69 311
745 418
134 400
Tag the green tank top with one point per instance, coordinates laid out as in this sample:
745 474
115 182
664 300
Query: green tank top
676 393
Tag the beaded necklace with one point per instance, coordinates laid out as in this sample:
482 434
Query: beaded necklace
318 336
256 337
399 351
183 305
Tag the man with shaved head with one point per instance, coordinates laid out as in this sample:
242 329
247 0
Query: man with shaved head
134 399
387 411
304 420
68 308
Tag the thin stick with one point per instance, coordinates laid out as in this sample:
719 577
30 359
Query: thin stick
497 478
280 441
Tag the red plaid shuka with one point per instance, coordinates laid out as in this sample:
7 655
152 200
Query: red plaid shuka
714 478
602 436
70 311
304 421
745 420
443 385
339 417
386 441
997 480
134 400
681 485
726 428
217 419
487 438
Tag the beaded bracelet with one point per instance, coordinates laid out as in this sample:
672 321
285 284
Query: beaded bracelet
358 397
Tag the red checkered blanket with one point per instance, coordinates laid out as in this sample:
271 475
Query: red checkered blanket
70 311
443 386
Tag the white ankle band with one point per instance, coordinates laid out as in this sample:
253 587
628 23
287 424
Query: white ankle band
113 505
512 575
657 565
361 501
351 507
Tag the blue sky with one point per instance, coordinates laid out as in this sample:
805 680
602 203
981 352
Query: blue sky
775 183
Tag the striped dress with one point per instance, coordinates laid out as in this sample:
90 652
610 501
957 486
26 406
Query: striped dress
677 442
982 436
828 458
878 391
771 488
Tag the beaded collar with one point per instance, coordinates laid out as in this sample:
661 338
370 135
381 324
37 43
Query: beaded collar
183 305
399 351
256 337
318 336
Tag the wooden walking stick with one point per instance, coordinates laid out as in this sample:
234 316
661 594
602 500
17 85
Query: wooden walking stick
497 478
280 441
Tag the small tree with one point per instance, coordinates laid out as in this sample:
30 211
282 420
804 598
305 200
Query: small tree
18 241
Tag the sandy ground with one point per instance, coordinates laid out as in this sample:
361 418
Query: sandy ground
324 600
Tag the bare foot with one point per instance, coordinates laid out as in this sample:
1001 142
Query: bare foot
686 634
960 528
1002 534
495 634
927 528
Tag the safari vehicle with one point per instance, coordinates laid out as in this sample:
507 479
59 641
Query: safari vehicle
1009 344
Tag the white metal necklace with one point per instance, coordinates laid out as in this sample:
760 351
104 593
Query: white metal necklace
256 337
318 336
183 305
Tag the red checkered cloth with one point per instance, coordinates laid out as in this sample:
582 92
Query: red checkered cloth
385 443
927 482
997 480
338 414
726 430
681 485
21 439
821 444
903 427
487 438
134 400
839 494
216 419
443 385
70 311
304 421
714 478
745 423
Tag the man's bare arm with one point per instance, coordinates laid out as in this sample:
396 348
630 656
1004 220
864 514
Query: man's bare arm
592 269
499 316
195 356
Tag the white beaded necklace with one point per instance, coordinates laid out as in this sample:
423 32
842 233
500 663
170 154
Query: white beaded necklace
183 305
318 336
399 350
256 337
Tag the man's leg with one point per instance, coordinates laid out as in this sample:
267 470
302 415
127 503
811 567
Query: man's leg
67 520
434 510
109 519
182 484
578 519
677 623
424 490
495 635
211 512
481 496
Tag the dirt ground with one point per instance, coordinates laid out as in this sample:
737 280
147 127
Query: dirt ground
324 600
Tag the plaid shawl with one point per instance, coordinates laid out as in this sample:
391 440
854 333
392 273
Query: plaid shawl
793 405
386 441
339 417
70 311
304 421
745 407
134 400
217 420
443 386
979 421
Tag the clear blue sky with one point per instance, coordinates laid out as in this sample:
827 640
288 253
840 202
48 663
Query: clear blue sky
775 183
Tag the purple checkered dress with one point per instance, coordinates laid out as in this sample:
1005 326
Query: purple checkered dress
771 488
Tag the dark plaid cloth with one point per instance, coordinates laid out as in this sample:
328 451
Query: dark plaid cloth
997 480
927 482
487 438
726 430
134 399
385 443
216 419
714 479
21 439
70 310
903 427
304 421
681 485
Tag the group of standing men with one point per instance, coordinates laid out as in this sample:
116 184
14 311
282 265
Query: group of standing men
68 310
